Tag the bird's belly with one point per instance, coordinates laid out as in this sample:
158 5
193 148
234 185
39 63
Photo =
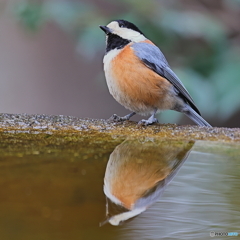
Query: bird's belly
137 87
126 98
140 98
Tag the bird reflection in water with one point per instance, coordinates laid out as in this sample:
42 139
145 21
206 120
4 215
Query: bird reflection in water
137 173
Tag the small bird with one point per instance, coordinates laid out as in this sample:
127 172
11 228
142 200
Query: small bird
139 77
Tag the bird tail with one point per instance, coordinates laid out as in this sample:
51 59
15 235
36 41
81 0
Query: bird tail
196 117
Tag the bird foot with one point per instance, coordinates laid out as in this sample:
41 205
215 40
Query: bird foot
116 118
150 121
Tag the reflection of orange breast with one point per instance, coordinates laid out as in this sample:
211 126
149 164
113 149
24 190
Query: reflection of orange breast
132 183
136 166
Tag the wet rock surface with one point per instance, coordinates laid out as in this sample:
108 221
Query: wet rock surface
60 124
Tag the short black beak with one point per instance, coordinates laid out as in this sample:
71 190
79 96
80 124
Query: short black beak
105 29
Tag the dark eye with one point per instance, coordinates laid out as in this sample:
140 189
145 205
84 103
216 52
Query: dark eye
121 25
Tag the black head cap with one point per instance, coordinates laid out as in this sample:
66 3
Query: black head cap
126 24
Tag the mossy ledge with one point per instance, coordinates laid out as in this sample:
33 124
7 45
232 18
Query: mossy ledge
34 123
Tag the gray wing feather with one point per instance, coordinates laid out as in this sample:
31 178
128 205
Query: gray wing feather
172 77
153 58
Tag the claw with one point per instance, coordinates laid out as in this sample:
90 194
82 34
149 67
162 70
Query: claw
116 118
150 121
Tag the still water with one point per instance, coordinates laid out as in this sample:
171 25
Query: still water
81 187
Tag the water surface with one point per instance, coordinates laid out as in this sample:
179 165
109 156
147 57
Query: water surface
51 187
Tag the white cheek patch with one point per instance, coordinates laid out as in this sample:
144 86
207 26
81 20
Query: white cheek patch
117 219
126 33
113 25
130 35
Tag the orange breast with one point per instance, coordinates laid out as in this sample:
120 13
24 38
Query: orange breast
140 86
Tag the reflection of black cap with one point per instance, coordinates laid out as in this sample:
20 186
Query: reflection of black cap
112 209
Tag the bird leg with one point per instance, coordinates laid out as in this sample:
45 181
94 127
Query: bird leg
150 121
116 118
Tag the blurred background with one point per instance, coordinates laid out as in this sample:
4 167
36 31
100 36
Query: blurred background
51 55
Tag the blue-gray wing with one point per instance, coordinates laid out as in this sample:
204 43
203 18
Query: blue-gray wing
154 59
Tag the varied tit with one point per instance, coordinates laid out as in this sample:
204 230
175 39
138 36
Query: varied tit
139 77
